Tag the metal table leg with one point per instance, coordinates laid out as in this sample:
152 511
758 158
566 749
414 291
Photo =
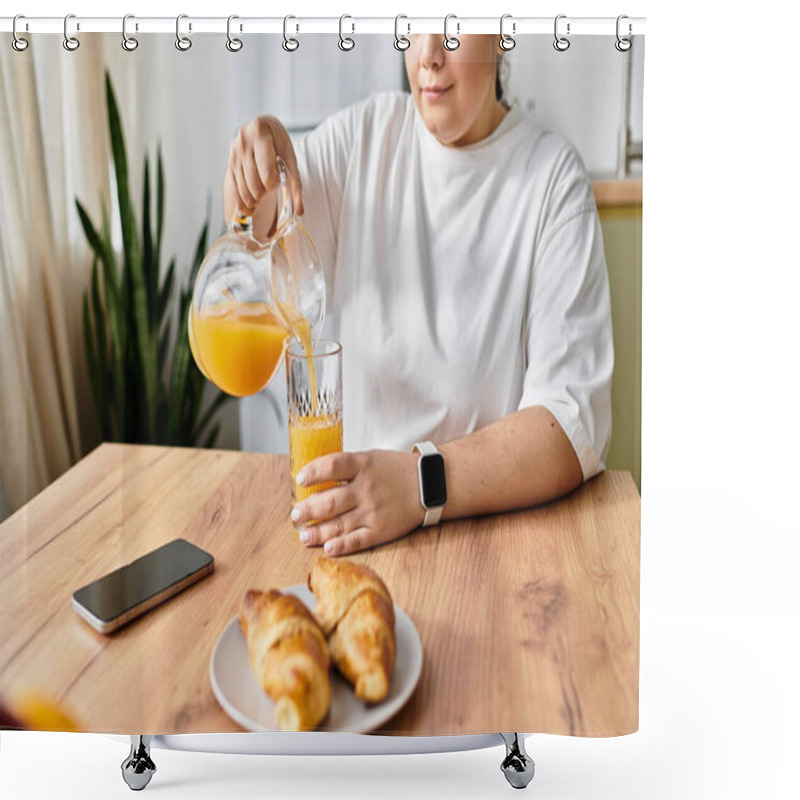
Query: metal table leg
138 768
517 766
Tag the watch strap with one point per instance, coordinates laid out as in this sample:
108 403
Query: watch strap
432 515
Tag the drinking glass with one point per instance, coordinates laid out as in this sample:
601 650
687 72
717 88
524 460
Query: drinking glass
314 386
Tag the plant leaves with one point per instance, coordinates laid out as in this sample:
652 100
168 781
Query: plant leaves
211 439
128 319
116 299
166 293
159 206
146 341
184 399
116 290
199 254
101 357
149 264
193 382
130 236
216 404
95 375
95 242
163 351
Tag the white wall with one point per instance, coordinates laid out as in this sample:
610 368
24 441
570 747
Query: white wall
579 92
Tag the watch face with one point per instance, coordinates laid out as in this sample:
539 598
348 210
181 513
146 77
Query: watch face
434 488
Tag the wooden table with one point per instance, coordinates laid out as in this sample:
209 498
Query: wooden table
529 621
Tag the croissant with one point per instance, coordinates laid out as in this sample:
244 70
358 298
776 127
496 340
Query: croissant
356 612
289 657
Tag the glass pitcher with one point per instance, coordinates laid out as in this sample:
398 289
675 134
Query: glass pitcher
250 296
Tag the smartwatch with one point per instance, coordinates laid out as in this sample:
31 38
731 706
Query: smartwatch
432 484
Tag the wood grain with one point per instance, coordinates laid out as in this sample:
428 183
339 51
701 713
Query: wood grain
529 621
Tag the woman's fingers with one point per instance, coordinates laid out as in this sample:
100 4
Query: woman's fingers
325 531
245 203
332 467
324 505
238 163
350 542
265 161
252 179
245 170
257 156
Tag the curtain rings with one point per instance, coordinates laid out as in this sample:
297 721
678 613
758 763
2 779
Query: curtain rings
289 44
129 43
451 43
183 43
507 42
561 43
623 43
233 44
401 43
18 42
345 42
70 43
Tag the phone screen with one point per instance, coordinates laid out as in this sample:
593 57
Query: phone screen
137 587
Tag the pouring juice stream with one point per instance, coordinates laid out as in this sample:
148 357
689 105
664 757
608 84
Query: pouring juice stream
300 328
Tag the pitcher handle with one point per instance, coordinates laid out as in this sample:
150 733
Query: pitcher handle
286 214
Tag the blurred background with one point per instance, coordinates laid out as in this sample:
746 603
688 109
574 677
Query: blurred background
188 106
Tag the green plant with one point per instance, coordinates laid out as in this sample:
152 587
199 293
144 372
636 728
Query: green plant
145 385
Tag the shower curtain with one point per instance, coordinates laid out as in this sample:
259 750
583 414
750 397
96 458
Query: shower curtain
477 215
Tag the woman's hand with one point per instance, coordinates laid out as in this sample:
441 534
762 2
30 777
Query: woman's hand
377 500
252 172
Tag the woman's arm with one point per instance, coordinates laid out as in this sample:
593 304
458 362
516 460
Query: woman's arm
521 460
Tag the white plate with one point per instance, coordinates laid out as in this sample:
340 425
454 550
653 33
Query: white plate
243 699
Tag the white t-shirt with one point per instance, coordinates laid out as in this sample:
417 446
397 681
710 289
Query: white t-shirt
463 283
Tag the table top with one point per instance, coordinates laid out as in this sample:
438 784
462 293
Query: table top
529 620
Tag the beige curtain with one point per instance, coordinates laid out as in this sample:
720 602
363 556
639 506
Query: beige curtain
54 148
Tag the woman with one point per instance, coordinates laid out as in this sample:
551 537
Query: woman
467 284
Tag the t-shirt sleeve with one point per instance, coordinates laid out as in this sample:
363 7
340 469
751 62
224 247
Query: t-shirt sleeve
323 157
568 335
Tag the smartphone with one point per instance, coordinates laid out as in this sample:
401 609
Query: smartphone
130 591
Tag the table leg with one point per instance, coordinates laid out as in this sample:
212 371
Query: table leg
138 768
517 766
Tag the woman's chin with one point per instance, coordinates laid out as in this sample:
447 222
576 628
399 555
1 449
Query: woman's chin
447 134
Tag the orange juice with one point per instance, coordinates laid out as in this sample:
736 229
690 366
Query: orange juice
311 437
240 345
301 330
